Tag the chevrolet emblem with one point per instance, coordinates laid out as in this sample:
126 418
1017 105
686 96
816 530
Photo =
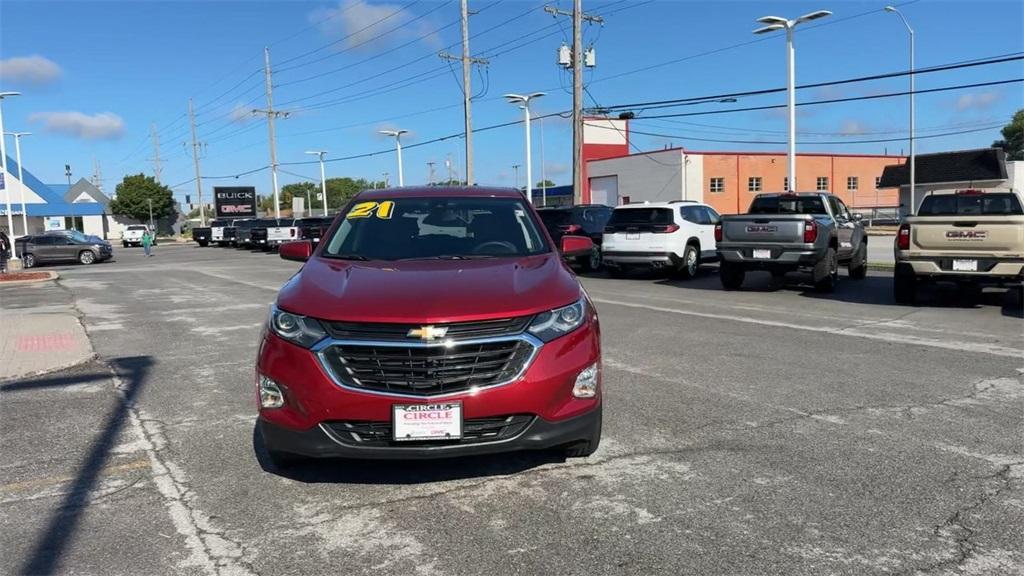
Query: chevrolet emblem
428 332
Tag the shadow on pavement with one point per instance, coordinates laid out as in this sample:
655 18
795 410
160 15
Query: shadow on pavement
342 471
46 555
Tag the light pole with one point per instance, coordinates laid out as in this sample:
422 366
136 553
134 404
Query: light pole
67 172
398 149
543 176
323 179
777 23
515 175
3 167
523 101
21 179
913 181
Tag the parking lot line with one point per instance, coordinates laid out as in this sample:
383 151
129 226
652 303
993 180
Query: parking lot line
961 346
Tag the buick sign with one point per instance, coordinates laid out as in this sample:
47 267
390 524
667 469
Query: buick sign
234 201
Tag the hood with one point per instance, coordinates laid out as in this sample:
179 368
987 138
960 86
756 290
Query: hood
429 291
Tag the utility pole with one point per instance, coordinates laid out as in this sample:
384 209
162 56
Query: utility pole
430 173
467 62
578 17
448 164
150 200
156 153
97 174
195 160
515 178
271 115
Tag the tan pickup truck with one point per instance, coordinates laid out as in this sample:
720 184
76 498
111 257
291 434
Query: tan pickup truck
969 237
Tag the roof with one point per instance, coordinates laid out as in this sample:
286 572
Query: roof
742 153
439 192
54 204
959 166
669 204
84 186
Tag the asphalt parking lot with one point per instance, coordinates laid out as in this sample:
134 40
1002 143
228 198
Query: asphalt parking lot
769 431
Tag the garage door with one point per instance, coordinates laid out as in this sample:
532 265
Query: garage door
604 190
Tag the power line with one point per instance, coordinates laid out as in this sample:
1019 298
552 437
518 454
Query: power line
818 143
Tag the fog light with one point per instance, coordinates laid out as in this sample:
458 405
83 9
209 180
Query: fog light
270 393
586 383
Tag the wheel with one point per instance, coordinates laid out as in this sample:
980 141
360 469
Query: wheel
590 262
588 447
86 257
828 282
28 260
731 276
904 286
124 244
616 271
858 268
691 262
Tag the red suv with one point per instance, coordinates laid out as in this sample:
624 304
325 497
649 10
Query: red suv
428 323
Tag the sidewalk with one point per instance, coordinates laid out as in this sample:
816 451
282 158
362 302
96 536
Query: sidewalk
38 341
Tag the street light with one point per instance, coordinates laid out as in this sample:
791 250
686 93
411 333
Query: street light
774 23
398 148
523 101
3 166
21 179
913 182
323 179
515 175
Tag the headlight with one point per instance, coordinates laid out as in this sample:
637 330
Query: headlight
297 329
558 322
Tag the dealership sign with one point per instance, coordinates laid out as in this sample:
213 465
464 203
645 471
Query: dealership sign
234 201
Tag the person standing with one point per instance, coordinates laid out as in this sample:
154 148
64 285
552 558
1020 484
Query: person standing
147 242
5 247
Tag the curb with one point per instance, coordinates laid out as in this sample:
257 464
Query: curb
52 276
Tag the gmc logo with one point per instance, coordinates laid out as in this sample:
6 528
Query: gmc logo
762 229
966 234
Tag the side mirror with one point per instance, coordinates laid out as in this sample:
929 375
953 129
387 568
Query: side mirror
576 245
298 251
857 216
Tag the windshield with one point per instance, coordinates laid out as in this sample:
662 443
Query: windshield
436 228
137 228
77 236
787 205
998 204
266 223
213 224
244 223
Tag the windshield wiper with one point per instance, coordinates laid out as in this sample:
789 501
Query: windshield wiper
358 257
452 257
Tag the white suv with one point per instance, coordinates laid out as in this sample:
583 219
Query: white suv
678 236
132 235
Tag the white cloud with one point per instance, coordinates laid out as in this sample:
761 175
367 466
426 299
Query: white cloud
100 126
367 27
240 114
33 69
982 101
556 169
853 128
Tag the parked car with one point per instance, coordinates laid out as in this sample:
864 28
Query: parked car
269 233
243 232
431 322
53 248
677 236
782 233
217 227
132 235
580 220
313 228
201 235
971 238
229 237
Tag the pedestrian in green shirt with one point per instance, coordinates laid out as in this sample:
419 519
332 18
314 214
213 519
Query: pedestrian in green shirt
147 243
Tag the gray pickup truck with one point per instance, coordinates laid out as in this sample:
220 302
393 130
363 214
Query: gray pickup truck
781 233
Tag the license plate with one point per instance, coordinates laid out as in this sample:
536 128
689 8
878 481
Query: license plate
633 236
965 265
441 421
762 254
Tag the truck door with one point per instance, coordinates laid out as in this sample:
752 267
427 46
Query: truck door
844 226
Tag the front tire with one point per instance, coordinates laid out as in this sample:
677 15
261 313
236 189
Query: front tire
86 257
691 263
591 262
904 286
124 244
828 282
859 264
731 276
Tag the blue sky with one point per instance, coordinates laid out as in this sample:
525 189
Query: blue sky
96 75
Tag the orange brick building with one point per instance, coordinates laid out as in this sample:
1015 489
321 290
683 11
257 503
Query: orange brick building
728 181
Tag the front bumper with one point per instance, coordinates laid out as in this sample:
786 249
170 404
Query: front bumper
322 442
314 402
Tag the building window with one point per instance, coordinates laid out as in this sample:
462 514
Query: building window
852 183
717 185
785 183
878 181
822 184
754 184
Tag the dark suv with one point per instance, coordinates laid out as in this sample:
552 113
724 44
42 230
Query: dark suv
580 220
50 248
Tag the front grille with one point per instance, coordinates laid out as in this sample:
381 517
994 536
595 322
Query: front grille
474 431
427 370
400 332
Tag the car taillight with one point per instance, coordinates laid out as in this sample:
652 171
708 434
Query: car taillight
718 232
810 232
903 237
293 232
665 229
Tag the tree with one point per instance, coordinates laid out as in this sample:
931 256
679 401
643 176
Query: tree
545 184
134 193
1013 137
